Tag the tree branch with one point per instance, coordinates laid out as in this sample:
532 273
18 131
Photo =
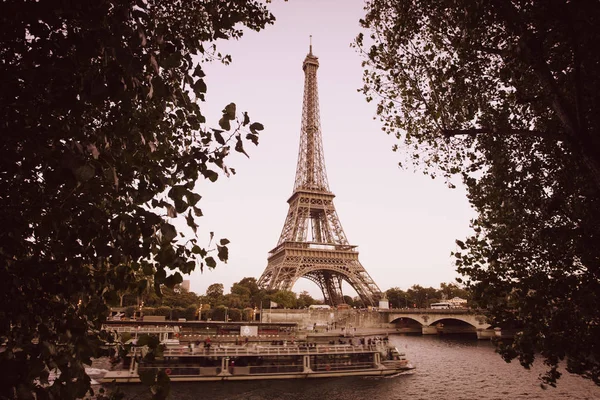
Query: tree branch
532 54
523 132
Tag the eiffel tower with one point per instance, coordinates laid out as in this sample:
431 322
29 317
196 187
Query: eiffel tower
312 244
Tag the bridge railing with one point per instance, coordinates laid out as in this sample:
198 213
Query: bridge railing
463 310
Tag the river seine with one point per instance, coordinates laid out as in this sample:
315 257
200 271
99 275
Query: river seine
446 368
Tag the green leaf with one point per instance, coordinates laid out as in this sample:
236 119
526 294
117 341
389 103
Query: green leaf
223 253
229 111
224 242
239 147
190 221
219 138
211 175
180 205
256 126
168 232
253 138
224 123
210 262
188 267
173 280
199 87
177 192
199 72
192 198
172 61
84 173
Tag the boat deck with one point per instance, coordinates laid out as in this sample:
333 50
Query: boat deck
254 350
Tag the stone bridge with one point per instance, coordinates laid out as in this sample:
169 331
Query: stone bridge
426 321
431 321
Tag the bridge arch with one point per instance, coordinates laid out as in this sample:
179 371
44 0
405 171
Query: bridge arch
469 321
400 319
407 324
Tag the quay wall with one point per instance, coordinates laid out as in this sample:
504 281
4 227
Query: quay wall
343 318
428 321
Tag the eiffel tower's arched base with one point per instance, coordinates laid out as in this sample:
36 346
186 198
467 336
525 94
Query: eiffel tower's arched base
326 265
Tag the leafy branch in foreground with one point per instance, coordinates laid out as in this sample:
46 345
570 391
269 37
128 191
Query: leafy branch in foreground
504 94
103 140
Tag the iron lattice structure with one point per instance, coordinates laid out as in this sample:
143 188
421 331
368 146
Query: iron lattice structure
312 244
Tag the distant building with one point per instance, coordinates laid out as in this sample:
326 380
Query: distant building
457 302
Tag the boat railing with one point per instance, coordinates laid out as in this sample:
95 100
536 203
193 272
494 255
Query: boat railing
143 329
242 350
194 369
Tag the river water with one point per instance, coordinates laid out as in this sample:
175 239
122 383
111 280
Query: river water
447 367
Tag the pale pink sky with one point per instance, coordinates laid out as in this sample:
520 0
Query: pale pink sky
404 223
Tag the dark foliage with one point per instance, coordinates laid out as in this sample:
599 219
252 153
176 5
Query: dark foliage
103 140
505 94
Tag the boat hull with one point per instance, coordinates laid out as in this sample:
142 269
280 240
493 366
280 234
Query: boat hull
127 377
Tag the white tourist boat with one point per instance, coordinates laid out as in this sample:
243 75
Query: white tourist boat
260 362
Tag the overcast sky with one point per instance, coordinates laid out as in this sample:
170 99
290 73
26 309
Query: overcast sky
403 222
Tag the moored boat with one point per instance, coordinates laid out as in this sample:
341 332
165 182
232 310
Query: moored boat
261 362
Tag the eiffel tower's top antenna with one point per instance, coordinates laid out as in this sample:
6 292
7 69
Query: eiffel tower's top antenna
310 171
